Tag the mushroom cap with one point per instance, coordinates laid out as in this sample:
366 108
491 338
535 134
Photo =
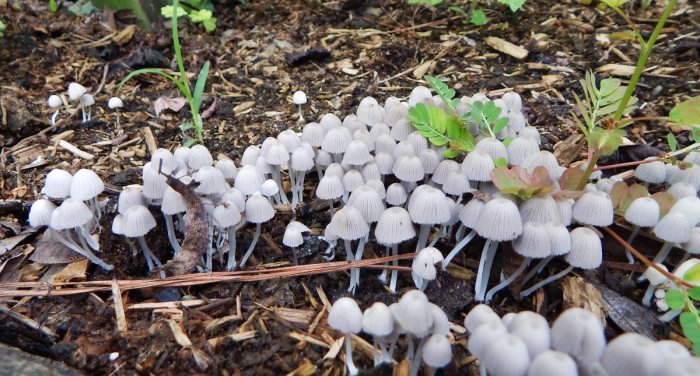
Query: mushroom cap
531 133
559 237
370 112
671 350
379 129
226 215
401 129
578 332
249 180
181 154
413 313
673 227
137 221
368 202
586 249
692 246
55 101
199 157
299 97
430 160
477 165
418 94
506 356
681 190
520 149
545 159
172 202
313 133
86 100
441 324
258 209
323 158
154 184
336 140
493 147
211 181
643 212
366 137
427 206
682 367
512 101
269 188
395 111
250 155
378 186
349 224
483 336
652 172
478 315
118 224
396 194
384 162
352 180
384 144
552 363
75 91
437 351
234 196
276 154
631 354
345 316
329 121
292 237
456 183
86 185
534 330
689 207
57 184
330 188
594 208
165 158
499 220
357 154
540 209
115 102
470 212
370 171
418 141
403 148
40 213
424 264
443 170
335 169
566 209
377 320
408 168
227 167
129 196
534 241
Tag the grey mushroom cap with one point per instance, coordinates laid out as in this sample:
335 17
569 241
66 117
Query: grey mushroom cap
499 220
71 213
578 332
683 367
478 315
131 195
437 352
345 316
57 184
506 356
137 221
413 313
631 354
552 363
586 249
349 224
86 185
258 209
377 320
40 213
594 208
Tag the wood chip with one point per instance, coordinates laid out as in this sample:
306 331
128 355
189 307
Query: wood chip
576 292
175 304
119 307
180 337
150 140
506 47
616 69
308 338
335 348
236 337
28 322
299 316
75 151
241 108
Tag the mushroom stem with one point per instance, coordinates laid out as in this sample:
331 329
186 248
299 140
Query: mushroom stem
423 237
208 262
347 244
83 232
171 233
670 315
648 294
635 231
352 370
385 272
663 253
415 365
149 254
482 277
181 223
54 117
536 270
355 272
231 263
508 280
276 177
544 282
85 252
394 272
258 228
393 339
301 115
462 243
460 232
319 172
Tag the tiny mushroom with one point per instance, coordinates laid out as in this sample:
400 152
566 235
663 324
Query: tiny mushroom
346 317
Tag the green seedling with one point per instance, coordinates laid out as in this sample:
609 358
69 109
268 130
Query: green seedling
197 11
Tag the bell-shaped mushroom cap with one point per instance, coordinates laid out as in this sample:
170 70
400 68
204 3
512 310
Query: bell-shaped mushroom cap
418 141
643 212
671 350
250 155
586 249
401 129
154 184
534 241
443 170
137 221
378 187
352 180
269 188
131 195
71 214
578 332
211 181
520 149
682 367
323 158
384 162
408 168
226 214
370 112
349 224
478 165
118 224
299 97
499 220
692 246
336 140
493 147
552 363
86 185
249 180
681 190
689 207
655 277
40 213
356 154
115 102
418 94
565 208
258 209
396 194
55 101
335 169
276 154
172 202
478 315
456 183
545 159
367 201
673 227
75 91
437 351
313 133
58 184
531 133
424 264
652 172
413 313
384 144
345 316
506 356
559 237
330 187
380 129
289 139
234 196
199 157
377 320
165 159
403 148
227 167
353 124
365 137
533 329
430 160
469 213
594 208
631 354
690 175
692 157
292 237
540 209
512 101
181 154
329 121
370 171
441 324
394 110
427 206
482 336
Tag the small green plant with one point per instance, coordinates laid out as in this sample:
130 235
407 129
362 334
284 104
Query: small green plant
194 98
2 29
197 11
476 15
688 300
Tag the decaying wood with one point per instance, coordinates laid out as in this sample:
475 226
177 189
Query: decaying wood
17 362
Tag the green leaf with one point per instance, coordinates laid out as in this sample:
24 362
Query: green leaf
675 300
449 153
687 112
500 162
53 6
695 133
444 91
518 182
694 293
693 274
609 86
186 126
478 17
167 11
200 15
457 10
507 141
570 178
672 142
514 5
605 141
431 122
614 3
209 25
500 125
199 87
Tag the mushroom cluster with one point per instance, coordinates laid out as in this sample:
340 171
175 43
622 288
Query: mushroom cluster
78 93
424 324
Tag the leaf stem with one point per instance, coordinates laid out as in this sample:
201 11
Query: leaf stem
589 170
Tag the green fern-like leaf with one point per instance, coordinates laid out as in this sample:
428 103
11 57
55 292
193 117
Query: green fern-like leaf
431 122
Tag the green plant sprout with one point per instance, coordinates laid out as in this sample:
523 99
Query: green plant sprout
687 300
197 11
476 15
194 98
2 29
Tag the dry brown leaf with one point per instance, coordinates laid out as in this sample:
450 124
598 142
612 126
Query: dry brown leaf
166 103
